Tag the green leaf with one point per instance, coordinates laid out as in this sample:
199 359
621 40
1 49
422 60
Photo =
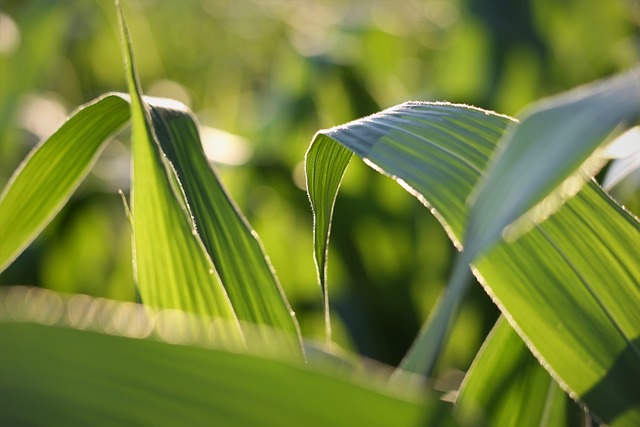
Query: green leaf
570 289
84 377
575 308
555 139
234 247
507 386
325 164
50 174
435 151
172 266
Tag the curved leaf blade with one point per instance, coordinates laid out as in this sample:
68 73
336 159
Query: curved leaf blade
570 289
553 277
47 178
325 165
234 248
418 145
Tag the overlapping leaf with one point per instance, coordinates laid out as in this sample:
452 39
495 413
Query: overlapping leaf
173 270
553 143
436 151
235 249
552 287
570 287
173 266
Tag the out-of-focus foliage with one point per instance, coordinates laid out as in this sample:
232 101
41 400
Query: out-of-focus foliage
263 76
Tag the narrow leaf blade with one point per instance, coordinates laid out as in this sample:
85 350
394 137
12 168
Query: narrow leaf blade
51 173
172 267
325 164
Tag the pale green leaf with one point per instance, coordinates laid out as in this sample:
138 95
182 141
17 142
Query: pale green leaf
570 288
325 164
435 151
48 177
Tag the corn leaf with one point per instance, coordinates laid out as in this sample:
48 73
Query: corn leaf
570 288
133 376
507 386
173 269
551 146
46 179
435 151
323 181
575 308
235 249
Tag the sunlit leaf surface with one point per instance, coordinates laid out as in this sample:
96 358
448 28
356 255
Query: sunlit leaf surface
235 249
43 183
420 145
554 140
575 307
570 287
173 269
507 386
177 272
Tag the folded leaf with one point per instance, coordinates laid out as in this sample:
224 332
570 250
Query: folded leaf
234 247
569 286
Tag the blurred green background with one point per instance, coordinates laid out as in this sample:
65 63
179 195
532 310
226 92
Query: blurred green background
263 76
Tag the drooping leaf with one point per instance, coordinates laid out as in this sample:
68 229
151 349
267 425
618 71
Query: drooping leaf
569 287
325 164
235 249
507 386
57 370
48 177
552 145
406 128
435 151
173 269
